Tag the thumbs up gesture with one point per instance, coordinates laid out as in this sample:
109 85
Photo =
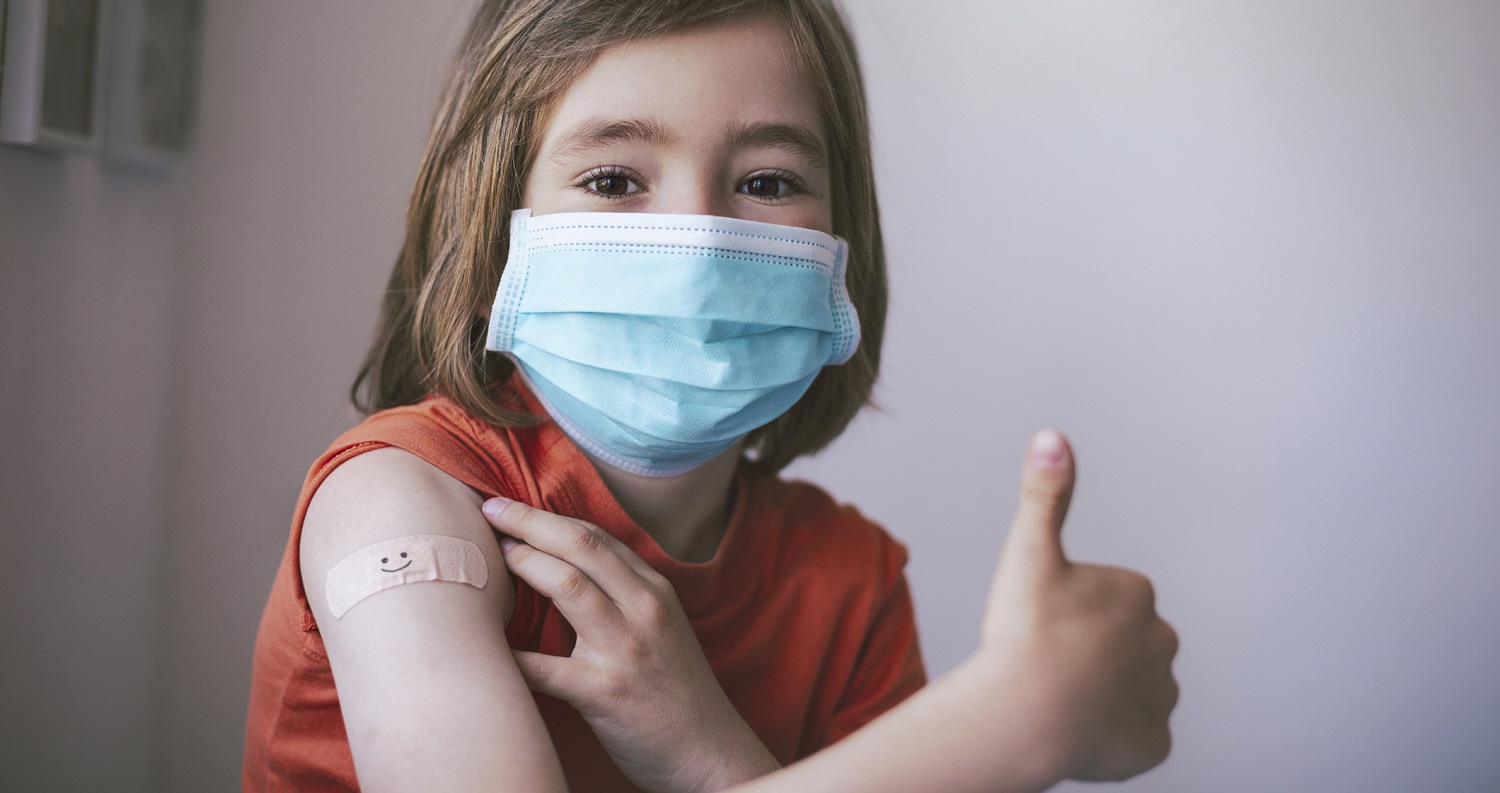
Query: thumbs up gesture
1096 658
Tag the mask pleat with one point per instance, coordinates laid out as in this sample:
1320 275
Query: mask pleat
666 350
656 351
652 284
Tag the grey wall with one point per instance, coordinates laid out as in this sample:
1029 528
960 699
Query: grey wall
88 267
1247 255
314 117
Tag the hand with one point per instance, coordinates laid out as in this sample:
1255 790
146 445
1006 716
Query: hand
637 673
1073 677
1085 640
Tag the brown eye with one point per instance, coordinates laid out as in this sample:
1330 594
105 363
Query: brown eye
610 185
763 186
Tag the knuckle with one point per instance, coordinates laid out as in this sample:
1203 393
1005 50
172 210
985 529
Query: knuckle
1041 491
1107 588
1174 695
1172 640
585 525
1159 746
1147 592
521 516
1136 589
660 586
653 611
1143 749
586 540
573 585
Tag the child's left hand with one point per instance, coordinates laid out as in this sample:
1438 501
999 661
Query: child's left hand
637 673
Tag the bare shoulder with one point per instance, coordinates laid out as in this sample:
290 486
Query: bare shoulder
389 485
383 495
415 630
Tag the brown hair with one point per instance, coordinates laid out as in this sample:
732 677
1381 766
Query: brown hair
517 58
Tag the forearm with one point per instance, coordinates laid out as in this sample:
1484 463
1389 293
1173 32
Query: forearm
747 760
964 733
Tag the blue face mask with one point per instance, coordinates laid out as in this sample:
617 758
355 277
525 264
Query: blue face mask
657 341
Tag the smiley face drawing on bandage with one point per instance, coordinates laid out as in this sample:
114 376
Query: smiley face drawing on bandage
404 560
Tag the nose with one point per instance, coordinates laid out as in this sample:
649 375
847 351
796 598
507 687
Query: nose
699 203
694 193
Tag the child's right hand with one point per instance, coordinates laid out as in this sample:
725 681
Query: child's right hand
1093 658
637 674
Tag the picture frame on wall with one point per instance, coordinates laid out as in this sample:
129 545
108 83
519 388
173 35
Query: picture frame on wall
153 93
54 74
3 5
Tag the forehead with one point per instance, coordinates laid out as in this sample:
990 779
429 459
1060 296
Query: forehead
697 81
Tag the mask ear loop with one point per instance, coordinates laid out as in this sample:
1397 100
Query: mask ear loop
845 318
507 309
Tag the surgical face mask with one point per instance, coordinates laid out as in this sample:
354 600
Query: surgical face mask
657 341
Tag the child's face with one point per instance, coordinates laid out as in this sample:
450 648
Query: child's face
707 121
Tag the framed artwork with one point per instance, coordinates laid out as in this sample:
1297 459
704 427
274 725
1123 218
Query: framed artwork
53 73
153 92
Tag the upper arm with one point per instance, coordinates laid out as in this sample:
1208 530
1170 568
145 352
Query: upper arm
431 696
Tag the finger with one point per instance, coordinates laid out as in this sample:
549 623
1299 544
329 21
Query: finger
584 546
1171 695
550 674
1035 540
1171 641
631 594
631 558
591 612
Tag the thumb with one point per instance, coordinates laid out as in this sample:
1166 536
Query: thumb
547 674
1035 539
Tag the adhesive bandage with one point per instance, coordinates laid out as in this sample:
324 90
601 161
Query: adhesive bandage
404 560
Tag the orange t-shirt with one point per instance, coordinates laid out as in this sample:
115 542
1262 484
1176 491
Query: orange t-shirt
804 613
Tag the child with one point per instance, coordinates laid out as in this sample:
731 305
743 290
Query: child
702 622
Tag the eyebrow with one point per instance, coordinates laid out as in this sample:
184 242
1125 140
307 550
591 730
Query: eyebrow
794 138
595 133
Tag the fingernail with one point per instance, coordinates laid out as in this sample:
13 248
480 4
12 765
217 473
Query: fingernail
1046 449
506 544
495 506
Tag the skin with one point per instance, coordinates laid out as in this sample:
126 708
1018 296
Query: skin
709 121
1073 675
1072 678
475 726
670 126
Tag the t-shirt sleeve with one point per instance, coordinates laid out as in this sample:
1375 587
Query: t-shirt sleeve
890 666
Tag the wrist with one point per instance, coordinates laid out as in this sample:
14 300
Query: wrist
737 758
1030 739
